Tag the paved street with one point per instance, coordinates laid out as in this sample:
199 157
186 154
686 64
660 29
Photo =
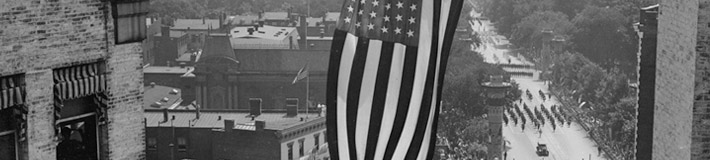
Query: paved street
564 143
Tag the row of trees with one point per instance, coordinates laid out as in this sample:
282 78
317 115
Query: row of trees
213 8
601 30
609 112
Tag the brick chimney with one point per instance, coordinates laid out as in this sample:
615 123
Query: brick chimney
228 125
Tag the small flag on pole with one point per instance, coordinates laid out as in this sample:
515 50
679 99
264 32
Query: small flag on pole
385 75
303 73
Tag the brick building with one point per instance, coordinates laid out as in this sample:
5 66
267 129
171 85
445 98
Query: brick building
232 135
673 89
71 77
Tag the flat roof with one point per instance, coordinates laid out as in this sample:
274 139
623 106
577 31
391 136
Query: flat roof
167 70
173 34
215 119
158 94
198 24
265 32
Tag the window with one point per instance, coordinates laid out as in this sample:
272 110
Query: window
7 135
317 141
129 20
182 143
300 147
290 151
152 144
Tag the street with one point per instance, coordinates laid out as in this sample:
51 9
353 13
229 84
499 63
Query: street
565 142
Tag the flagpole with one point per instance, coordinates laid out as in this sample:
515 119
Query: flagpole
308 83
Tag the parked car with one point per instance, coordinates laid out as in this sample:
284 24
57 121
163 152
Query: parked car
542 150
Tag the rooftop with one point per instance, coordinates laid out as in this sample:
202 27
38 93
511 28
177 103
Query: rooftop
173 34
198 24
332 16
266 37
276 15
215 119
243 19
158 96
167 70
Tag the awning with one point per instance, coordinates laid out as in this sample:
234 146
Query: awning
12 91
78 81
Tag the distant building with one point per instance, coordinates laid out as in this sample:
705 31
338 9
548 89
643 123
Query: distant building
169 45
264 37
232 135
71 79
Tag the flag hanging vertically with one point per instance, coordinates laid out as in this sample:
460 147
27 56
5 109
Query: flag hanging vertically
385 75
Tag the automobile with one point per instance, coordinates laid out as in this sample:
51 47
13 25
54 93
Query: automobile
542 150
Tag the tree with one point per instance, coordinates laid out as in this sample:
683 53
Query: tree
603 36
528 32
176 9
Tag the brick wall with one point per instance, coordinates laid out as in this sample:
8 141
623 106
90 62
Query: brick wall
675 79
37 36
701 107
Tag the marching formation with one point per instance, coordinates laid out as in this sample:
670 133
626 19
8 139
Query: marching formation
538 116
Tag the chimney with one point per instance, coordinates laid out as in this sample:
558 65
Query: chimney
290 42
291 111
165 32
228 125
197 111
251 31
322 33
256 27
203 20
165 115
288 13
302 29
152 84
260 125
261 23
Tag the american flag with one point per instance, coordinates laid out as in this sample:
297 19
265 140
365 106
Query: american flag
386 70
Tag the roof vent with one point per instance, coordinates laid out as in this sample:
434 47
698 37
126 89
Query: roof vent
165 99
156 105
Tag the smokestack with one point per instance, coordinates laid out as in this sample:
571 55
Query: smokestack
228 125
259 125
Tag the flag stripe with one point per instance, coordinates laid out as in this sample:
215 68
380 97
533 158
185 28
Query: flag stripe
410 64
353 94
425 46
424 113
393 91
451 24
331 94
346 61
366 91
379 97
